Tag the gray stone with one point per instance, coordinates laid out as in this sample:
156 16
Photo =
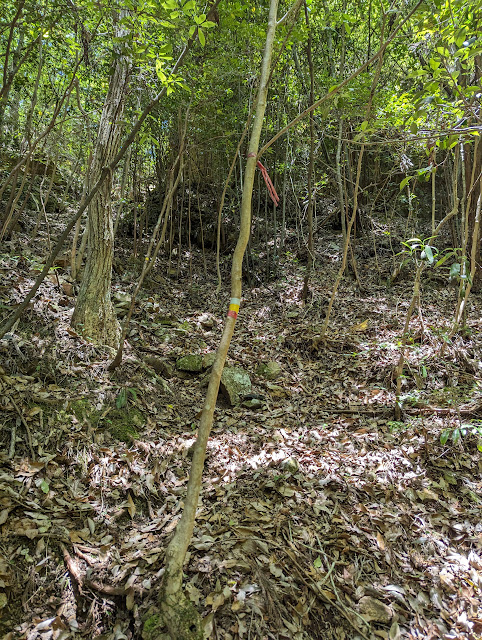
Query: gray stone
206 320
252 403
122 300
192 362
269 370
235 382
290 465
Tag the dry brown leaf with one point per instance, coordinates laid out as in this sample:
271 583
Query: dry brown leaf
131 507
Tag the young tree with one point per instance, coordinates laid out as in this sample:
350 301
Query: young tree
178 613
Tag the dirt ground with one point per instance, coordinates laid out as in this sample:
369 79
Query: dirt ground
321 516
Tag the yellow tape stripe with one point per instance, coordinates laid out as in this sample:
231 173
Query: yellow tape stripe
234 307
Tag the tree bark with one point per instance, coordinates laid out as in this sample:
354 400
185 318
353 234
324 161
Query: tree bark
94 316
473 167
311 251
178 613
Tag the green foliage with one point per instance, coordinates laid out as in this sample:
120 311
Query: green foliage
459 434
420 250
122 398
459 271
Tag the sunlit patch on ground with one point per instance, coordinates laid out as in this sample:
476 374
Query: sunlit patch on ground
321 516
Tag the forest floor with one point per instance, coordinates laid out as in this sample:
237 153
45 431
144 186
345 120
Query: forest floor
321 516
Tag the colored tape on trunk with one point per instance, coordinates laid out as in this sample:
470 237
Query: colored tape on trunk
234 305
234 308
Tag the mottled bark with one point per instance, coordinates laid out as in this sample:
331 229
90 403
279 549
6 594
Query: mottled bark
94 316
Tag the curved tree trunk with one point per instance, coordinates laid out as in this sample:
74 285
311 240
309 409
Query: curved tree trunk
178 613
94 316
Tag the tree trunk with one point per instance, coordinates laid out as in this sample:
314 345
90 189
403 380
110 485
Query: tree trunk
311 251
94 316
473 166
178 613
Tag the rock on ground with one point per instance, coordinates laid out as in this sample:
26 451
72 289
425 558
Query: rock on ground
235 382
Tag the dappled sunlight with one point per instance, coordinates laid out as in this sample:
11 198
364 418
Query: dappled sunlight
245 300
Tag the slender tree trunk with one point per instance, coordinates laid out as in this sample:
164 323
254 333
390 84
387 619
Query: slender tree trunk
339 146
94 316
311 251
179 614
473 159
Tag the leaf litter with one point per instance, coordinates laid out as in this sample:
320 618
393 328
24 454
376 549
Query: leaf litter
321 516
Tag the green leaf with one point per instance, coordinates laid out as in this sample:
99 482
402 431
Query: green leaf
404 183
417 73
420 113
444 259
317 563
121 400
44 485
456 436
429 254
202 38
444 436
454 270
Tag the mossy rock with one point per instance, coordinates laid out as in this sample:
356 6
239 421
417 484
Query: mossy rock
269 370
151 629
122 423
81 408
160 365
192 362
208 359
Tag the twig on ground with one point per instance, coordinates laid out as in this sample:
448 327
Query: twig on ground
25 424
73 569
13 435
